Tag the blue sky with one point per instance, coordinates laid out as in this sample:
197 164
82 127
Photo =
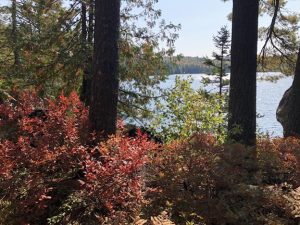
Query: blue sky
200 20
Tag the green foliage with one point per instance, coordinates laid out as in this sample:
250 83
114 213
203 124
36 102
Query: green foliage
48 46
52 56
142 60
281 37
220 63
222 41
185 111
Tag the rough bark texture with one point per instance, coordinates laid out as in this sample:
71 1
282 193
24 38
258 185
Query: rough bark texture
83 24
288 111
105 82
242 99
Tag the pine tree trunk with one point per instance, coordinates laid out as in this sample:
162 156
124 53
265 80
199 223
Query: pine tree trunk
288 111
83 24
242 98
105 82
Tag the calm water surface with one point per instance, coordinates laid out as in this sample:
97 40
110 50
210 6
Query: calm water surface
268 96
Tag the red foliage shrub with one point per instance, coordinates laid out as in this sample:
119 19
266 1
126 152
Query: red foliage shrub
279 160
118 179
182 174
49 172
205 183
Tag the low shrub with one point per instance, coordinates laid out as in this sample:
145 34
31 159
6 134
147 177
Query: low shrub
182 175
202 182
50 174
183 111
280 161
53 172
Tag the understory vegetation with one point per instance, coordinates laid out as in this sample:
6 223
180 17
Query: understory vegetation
92 133
54 172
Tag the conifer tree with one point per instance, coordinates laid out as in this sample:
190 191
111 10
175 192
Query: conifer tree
222 43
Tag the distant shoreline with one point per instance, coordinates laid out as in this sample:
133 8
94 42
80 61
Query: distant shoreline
271 76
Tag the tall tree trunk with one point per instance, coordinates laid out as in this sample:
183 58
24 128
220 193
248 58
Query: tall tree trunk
288 111
242 97
15 33
105 82
83 24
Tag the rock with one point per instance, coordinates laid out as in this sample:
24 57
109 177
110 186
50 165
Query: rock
288 113
131 131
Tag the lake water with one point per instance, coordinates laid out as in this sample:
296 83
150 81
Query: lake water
268 96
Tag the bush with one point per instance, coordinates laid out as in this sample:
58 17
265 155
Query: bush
51 174
54 172
280 161
184 111
202 182
182 175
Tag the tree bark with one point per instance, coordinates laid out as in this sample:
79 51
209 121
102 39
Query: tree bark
242 97
288 111
83 24
105 82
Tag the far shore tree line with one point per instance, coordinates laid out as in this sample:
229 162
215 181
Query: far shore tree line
197 65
